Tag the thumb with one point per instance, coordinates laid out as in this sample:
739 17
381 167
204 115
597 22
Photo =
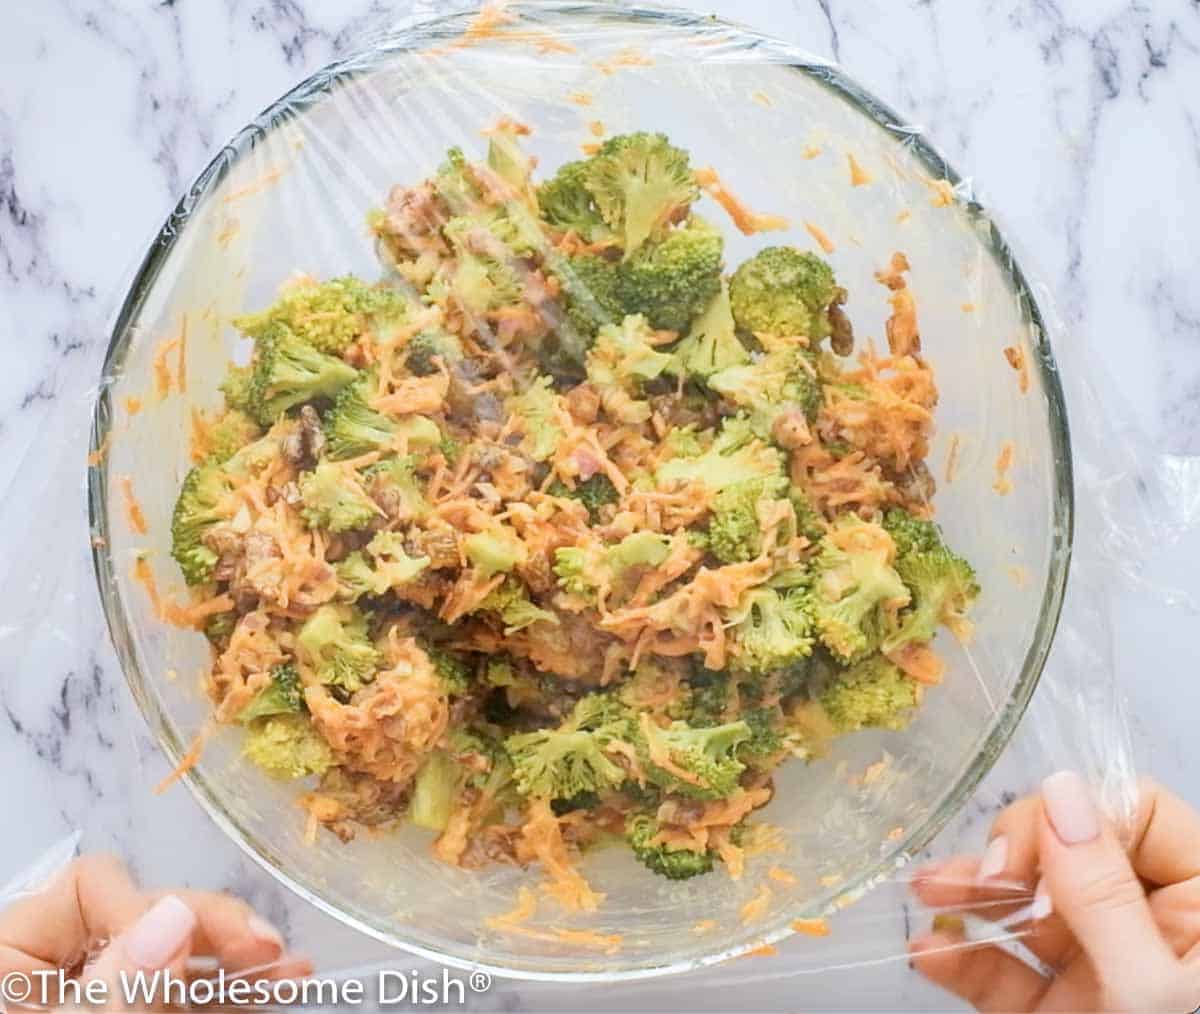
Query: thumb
154 942
1095 890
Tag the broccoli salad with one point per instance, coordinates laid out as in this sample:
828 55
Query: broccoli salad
567 531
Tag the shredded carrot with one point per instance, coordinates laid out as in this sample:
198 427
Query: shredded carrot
858 175
507 125
748 222
268 178
188 761
822 238
143 574
968 308
903 216
525 910
597 128
628 57
1015 354
590 147
830 880
811 927
782 876
762 98
704 926
580 98
943 193
133 510
1003 483
757 906
810 152
101 451
133 404
895 834
228 232
952 452
181 368
920 662
162 373
762 951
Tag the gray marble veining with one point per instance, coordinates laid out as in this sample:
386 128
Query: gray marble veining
1079 118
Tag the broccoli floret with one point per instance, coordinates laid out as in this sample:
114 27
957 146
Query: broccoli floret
564 762
873 693
392 565
329 316
581 569
766 747
239 389
641 549
782 379
357 578
711 697
508 161
855 588
425 349
772 631
287 746
219 627
394 482
737 455
229 434
197 509
352 427
809 521
335 643
287 372
590 298
942 584
512 604
711 344
496 551
593 492
783 291
334 499
734 533
537 409
622 359
574 567
698 762
485 275
433 792
676 864
671 281
657 688
641 183
456 184
567 204
281 696
452 668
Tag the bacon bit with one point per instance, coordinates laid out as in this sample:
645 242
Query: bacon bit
762 98
762 951
968 308
952 458
1015 354
811 927
748 222
188 761
903 217
810 152
1019 574
134 515
133 404
704 926
943 193
919 662
1003 484
507 125
858 175
229 230
162 373
580 98
782 876
265 180
597 128
99 453
821 237
628 57
757 906
590 147
525 910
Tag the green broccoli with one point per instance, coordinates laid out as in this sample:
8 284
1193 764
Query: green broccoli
641 549
620 361
334 499
580 569
334 642
772 630
452 668
698 762
783 379
854 588
392 566
197 509
283 695
433 792
394 483
512 604
496 551
590 298
357 578
676 864
287 746
711 697
564 762
229 434
942 584
734 532
508 161
873 693
425 349
575 568
286 371
783 291
641 183
737 455
219 627
711 344
809 521
766 747
485 275
353 428
537 408
329 316
566 203
671 281
593 492
455 184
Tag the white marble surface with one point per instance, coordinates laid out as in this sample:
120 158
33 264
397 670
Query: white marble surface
1077 117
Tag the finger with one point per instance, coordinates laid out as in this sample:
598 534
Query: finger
1176 912
92 900
159 939
1096 891
1166 831
231 931
987 977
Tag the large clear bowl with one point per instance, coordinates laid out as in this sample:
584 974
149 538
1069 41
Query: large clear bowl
290 192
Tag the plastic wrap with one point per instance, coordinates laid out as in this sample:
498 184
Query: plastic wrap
791 136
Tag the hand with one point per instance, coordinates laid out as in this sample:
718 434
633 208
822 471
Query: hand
94 921
1119 931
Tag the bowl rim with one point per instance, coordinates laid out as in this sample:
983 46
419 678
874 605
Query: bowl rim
411 37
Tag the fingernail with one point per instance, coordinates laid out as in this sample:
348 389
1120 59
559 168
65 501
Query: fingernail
160 933
994 858
1042 905
1069 806
263 930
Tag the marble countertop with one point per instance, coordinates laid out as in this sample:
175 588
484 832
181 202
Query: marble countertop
1076 116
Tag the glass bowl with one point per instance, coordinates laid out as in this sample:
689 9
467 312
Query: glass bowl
291 191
